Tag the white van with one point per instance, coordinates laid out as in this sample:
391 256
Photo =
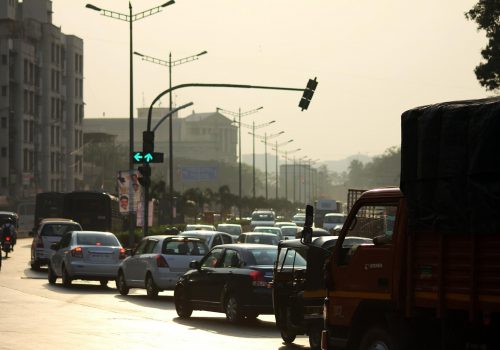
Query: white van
263 217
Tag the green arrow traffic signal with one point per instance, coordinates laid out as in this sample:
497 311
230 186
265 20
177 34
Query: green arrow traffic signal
148 157
137 156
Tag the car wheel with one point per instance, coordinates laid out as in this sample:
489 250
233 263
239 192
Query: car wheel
104 283
233 313
35 265
121 284
151 288
182 305
66 279
377 338
51 276
288 336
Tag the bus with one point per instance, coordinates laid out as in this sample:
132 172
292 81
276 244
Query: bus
94 211
97 211
49 205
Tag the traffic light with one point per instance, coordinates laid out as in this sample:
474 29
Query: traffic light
148 142
145 178
308 93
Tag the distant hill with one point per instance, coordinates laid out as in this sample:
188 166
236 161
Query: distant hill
333 165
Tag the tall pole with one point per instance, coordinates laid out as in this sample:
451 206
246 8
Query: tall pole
276 169
294 180
286 175
170 144
253 157
300 185
265 152
239 162
131 220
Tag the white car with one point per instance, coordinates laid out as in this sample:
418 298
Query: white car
85 255
333 221
158 262
263 217
211 238
192 227
49 231
299 219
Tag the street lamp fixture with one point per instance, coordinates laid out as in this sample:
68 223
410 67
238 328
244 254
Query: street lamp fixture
239 114
170 64
130 18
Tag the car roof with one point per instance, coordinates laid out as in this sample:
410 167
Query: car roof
323 241
237 225
93 232
202 232
57 220
246 246
334 214
173 237
259 234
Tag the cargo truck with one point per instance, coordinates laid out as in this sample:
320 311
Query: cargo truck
430 279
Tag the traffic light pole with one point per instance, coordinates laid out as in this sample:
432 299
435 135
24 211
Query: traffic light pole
240 86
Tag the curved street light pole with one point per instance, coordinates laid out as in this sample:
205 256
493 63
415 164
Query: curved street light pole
170 64
130 18
285 155
264 140
276 149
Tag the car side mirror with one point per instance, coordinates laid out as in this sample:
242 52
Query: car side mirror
195 265
54 246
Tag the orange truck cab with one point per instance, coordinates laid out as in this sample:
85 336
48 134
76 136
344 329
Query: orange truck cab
430 279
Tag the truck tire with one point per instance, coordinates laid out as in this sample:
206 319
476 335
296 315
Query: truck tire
315 336
377 338
287 336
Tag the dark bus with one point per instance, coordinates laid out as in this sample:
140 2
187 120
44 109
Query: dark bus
49 205
94 210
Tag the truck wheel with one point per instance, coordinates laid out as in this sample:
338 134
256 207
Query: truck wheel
315 336
377 338
288 336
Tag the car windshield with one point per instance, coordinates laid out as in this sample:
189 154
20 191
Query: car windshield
263 256
233 230
289 230
98 239
261 239
334 219
204 237
57 230
199 227
274 230
184 247
292 258
262 217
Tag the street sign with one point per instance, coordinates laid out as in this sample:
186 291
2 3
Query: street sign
142 157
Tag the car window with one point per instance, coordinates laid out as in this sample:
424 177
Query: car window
290 258
185 248
213 258
150 246
140 248
231 259
65 240
57 230
374 221
263 256
217 240
98 239
227 239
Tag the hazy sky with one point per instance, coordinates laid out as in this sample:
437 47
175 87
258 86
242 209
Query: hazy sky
373 60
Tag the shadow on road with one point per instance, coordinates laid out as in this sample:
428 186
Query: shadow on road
80 288
162 302
218 325
292 346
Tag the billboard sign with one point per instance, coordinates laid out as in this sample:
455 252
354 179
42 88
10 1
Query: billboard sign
129 190
196 173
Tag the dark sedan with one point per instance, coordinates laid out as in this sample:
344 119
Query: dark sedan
231 278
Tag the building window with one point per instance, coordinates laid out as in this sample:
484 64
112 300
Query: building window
4 90
25 160
52 135
25 131
57 136
81 114
4 123
31 127
31 160
25 101
3 152
58 77
53 53
52 163
26 73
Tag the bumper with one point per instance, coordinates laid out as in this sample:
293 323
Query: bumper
260 300
167 280
83 270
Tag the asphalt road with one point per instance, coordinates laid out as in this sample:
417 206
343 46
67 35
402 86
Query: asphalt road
36 315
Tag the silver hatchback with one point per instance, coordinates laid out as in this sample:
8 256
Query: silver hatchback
85 255
158 263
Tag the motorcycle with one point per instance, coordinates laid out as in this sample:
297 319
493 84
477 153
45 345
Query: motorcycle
7 246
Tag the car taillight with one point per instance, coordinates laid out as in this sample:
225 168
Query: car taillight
123 254
39 243
258 279
161 262
77 252
7 239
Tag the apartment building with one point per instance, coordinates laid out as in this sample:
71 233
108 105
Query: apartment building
41 102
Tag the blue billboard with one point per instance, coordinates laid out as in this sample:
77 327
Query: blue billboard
196 173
